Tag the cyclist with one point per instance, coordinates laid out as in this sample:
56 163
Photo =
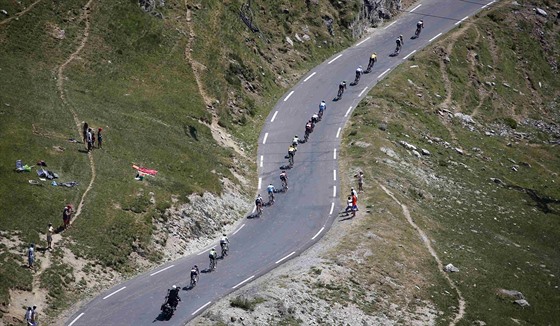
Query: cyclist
419 26
359 73
194 275
341 88
308 130
295 141
400 43
270 189
314 118
372 60
224 244
284 179
259 204
322 106
291 153
213 255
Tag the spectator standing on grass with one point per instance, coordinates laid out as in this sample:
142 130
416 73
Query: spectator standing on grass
99 138
360 177
89 139
354 205
67 216
348 205
353 192
92 139
28 316
31 255
50 231
86 127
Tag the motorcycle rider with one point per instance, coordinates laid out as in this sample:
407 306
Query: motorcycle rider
173 297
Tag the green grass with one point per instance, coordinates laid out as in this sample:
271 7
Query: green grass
499 237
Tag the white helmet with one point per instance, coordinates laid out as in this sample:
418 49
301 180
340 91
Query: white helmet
174 287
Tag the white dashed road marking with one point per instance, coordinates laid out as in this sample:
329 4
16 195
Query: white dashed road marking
262 158
119 290
245 281
433 38
362 92
338 56
408 55
390 24
348 111
241 226
318 233
161 270
334 175
363 41
287 97
411 10
265 137
332 208
274 116
199 309
334 191
334 154
338 133
76 319
286 257
260 184
383 73
308 77
457 23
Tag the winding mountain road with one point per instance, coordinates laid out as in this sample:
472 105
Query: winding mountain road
301 216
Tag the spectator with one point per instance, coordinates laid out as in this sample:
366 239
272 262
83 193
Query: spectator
34 316
353 192
89 139
360 177
28 317
50 231
67 216
354 205
86 127
31 255
348 205
99 138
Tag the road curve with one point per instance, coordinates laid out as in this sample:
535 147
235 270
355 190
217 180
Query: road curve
300 217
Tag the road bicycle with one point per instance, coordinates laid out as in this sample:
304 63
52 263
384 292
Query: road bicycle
271 198
194 280
284 185
213 264
225 249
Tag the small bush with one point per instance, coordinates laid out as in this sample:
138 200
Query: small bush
246 303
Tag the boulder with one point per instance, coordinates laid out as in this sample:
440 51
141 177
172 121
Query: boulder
449 268
523 303
512 294
541 12
289 40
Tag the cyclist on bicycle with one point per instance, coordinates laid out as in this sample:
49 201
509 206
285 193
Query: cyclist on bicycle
322 107
400 43
259 203
194 274
224 243
359 73
270 189
341 88
295 141
314 118
213 255
308 130
419 26
284 179
372 60
291 153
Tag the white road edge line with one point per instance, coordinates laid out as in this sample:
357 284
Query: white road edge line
348 111
265 137
334 175
199 309
332 208
411 10
286 257
308 77
254 209
204 250
383 73
433 38
362 92
408 55
338 56
262 158
260 184
334 154
334 191
76 319
161 270
274 116
390 24
338 132
457 23
287 97
238 229
242 282
363 41
119 290
318 233
488 4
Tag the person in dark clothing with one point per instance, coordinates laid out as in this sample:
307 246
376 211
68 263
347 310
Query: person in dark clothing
173 297
86 127
99 138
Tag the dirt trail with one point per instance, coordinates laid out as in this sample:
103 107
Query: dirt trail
462 303
46 261
19 14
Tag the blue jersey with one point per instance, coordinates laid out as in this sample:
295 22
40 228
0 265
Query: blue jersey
322 106
270 189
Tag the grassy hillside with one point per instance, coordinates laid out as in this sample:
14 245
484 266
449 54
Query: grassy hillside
157 83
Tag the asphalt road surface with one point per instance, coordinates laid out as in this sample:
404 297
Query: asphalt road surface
302 215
